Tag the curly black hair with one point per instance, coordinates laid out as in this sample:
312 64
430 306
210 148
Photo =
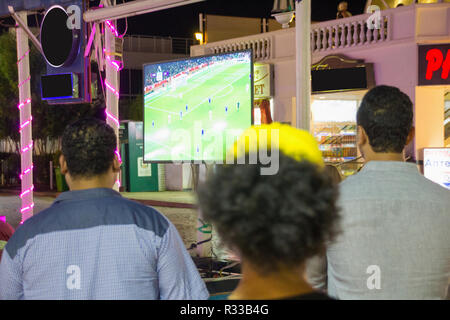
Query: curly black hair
88 146
386 114
273 221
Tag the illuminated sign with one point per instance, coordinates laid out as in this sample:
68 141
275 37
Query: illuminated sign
434 64
436 166
263 81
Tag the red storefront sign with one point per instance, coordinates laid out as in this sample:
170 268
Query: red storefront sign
434 64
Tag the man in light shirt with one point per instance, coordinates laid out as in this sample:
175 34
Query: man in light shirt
395 242
94 244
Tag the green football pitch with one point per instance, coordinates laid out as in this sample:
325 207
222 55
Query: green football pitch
199 117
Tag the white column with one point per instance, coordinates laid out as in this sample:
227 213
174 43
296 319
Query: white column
303 41
26 142
112 84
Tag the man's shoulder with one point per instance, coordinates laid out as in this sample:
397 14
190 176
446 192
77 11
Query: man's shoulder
143 216
352 183
71 216
433 190
407 185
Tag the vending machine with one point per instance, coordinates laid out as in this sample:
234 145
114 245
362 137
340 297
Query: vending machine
137 176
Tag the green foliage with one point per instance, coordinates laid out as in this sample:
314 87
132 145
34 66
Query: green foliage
8 87
132 109
49 121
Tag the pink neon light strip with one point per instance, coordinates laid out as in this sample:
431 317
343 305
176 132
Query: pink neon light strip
111 88
112 28
118 156
109 115
20 105
26 123
27 191
23 57
27 147
91 39
26 208
118 65
26 172
23 82
3 218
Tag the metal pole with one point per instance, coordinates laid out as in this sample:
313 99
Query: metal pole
303 40
26 142
200 23
51 175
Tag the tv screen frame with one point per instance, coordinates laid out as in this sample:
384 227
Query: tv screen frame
332 75
252 99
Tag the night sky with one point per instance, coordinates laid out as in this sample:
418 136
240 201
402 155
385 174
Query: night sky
183 21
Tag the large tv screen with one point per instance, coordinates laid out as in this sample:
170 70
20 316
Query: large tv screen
194 109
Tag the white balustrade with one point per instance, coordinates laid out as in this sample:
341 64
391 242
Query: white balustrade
261 48
349 32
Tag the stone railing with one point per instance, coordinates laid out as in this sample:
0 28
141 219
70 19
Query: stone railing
261 47
350 32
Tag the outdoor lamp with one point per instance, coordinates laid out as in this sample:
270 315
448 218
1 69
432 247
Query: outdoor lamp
283 12
199 37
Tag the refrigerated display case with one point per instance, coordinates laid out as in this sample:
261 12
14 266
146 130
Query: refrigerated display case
334 126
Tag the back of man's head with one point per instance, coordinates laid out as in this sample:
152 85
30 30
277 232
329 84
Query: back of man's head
386 115
88 146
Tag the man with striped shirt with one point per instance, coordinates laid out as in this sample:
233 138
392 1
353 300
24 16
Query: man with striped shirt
92 243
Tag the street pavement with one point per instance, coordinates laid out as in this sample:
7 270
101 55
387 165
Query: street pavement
10 207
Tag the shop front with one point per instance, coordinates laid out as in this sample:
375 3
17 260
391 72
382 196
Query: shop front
338 85
433 112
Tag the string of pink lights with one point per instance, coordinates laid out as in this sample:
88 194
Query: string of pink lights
24 81
25 172
112 89
20 105
113 118
112 28
23 57
117 65
26 123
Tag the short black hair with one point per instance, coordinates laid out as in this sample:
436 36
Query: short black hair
88 146
273 221
386 114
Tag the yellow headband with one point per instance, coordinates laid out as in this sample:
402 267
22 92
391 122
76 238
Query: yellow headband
295 143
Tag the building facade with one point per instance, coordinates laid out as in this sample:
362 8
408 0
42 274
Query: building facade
392 48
